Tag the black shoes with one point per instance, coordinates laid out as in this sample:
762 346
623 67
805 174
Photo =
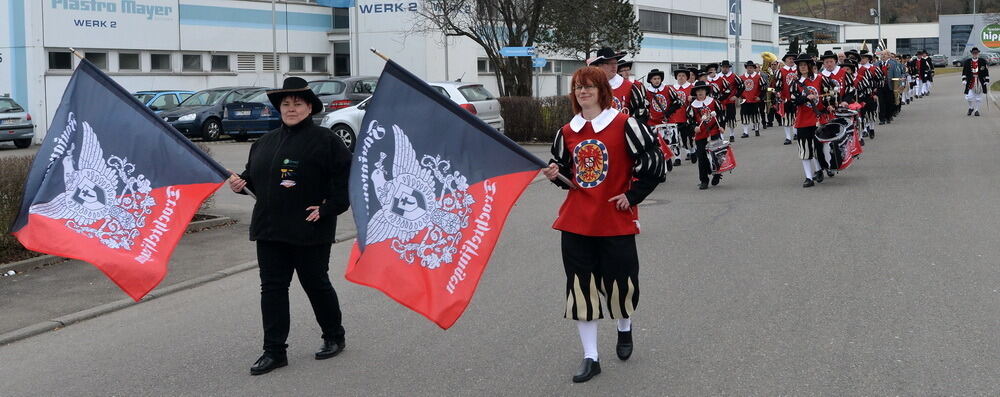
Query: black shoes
670 165
715 179
745 135
977 113
624 347
818 177
702 186
330 349
588 369
677 162
808 183
787 141
694 158
756 132
830 173
268 362
970 113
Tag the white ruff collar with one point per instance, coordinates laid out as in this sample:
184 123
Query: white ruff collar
717 77
701 104
788 68
680 87
616 82
599 123
828 73
650 88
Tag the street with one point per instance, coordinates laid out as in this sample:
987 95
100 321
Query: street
880 281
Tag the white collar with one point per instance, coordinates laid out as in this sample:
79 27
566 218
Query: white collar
717 77
827 73
751 75
680 87
650 88
599 123
726 74
616 82
786 67
700 104
866 66
803 78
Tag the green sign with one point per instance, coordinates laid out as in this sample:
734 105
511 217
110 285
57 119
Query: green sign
991 36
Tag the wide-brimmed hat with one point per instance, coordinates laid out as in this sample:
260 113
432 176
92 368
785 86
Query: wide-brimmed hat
699 73
852 54
678 71
700 85
623 63
654 72
726 63
605 54
789 55
828 54
974 49
296 86
848 64
866 54
749 64
805 58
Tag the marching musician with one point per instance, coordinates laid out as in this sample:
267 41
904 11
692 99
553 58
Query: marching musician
893 72
657 97
627 97
729 97
786 75
682 91
703 113
911 71
869 80
832 70
809 96
976 80
928 71
605 153
769 71
752 89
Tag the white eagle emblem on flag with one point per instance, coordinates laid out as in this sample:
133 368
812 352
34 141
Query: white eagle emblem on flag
424 205
102 199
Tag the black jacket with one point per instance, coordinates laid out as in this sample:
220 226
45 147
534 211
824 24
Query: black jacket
967 77
292 168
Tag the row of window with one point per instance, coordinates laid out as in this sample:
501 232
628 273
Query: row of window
671 23
166 62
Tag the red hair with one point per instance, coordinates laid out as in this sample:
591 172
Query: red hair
590 75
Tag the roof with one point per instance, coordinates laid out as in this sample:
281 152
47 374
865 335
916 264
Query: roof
819 20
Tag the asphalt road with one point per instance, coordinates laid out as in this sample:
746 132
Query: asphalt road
881 281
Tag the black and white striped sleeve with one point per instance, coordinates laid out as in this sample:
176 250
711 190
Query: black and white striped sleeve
648 165
561 157
640 108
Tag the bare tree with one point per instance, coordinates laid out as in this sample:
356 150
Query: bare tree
493 24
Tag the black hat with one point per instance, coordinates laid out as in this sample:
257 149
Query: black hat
623 63
853 54
848 64
805 58
789 55
712 66
726 63
698 73
678 71
866 54
654 72
700 85
828 54
749 64
604 54
974 49
296 86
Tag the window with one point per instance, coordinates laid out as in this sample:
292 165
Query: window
482 65
327 87
475 93
910 46
341 18
191 63
160 62
128 61
712 27
164 102
341 59
959 37
184 97
760 32
269 63
365 87
684 24
568 67
246 62
220 63
319 64
442 91
99 59
59 60
296 64
654 21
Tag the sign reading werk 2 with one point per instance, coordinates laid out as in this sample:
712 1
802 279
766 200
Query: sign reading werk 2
991 36
131 7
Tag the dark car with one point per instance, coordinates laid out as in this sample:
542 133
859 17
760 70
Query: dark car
939 61
162 100
201 114
342 92
251 115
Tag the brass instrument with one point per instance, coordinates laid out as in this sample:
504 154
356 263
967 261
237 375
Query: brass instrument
767 69
898 88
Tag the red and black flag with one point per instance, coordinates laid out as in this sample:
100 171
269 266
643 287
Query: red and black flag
431 186
113 184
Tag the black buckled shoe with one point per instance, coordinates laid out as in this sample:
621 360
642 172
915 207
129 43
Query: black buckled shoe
268 362
624 347
976 113
677 162
830 173
331 348
970 113
588 369
702 186
808 183
715 179
744 136
757 132
787 141
818 177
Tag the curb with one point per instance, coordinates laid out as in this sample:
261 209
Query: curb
72 318
47 260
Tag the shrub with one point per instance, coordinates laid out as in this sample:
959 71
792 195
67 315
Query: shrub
15 172
528 119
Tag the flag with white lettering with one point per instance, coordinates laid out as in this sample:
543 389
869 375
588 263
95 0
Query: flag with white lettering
431 186
113 184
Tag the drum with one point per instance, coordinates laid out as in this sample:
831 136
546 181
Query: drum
720 156
671 137
842 137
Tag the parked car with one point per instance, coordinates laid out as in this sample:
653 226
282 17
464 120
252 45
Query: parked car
346 123
15 123
992 58
939 60
475 98
201 114
343 92
250 115
162 100
958 61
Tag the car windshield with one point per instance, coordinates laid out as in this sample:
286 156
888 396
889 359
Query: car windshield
205 98
144 98
256 97
327 87
475 93
8 105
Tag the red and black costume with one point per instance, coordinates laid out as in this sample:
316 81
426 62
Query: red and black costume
629 98
975 80
703 116
809 114
752 88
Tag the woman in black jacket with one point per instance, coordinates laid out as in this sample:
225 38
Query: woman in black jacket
299 174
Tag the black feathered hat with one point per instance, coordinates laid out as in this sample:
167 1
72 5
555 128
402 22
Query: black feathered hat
605 54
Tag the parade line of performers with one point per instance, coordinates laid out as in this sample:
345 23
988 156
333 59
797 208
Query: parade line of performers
628 133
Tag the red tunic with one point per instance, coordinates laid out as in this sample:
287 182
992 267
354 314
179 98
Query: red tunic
698 111
659 100
839 75
751 87
787 77
621 97
719 85
680 116
807 116
602 169
731 83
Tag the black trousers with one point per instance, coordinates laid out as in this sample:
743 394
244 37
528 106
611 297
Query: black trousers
277 263
810 147
704 168
600 267
686 132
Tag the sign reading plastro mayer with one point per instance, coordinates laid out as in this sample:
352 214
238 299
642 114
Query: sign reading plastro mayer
991 36
111 23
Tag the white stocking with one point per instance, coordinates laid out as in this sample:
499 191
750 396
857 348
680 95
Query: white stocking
788 133
588 337
807 167
624 325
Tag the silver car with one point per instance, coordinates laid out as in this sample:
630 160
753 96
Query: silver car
475 98
15 123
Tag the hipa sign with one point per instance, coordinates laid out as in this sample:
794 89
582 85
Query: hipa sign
991 36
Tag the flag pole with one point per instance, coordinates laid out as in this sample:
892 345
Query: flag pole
562 178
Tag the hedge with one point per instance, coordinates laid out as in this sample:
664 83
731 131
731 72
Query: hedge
528 119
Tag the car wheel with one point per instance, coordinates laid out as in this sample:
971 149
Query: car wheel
22 143
346 134
211 130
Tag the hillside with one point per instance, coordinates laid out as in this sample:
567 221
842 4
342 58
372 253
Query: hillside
893 11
